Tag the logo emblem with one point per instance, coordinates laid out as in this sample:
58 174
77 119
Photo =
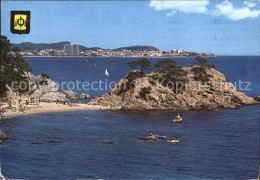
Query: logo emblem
20 22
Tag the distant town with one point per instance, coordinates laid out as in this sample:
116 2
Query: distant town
73 49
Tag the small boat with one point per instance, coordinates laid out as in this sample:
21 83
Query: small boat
173 141
1 175
106 73
86 60
95 65
177 119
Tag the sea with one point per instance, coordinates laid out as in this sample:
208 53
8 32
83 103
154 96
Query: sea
218 144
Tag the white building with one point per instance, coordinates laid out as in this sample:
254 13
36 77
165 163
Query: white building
71 49
180 51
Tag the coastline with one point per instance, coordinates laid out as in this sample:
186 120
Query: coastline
44 107
112 57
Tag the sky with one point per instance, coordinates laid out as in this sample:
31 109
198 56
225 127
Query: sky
221 27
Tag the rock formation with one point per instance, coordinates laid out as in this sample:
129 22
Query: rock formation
257 98
44 88
73 95
3 136
149 91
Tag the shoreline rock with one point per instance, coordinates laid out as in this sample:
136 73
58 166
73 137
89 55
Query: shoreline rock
3 136
43 88
74 96
257 98
213 94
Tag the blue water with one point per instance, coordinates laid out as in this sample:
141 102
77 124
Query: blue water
244 68
220 144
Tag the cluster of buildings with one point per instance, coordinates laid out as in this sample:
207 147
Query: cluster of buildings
70 49
73 49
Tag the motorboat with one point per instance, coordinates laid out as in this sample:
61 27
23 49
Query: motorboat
173 141
178 119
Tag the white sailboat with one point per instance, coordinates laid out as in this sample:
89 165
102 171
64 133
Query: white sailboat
106 73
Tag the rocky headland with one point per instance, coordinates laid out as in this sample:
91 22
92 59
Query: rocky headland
139 91
42 88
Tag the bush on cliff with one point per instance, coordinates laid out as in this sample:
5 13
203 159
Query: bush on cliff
44 75
143 63
144 91
200 71
130 83
173 76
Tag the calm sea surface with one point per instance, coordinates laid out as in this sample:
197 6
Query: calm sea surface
220 144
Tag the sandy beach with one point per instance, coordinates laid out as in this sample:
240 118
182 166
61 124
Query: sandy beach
45 107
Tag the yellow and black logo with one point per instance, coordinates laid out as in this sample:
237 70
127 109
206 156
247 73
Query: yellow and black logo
20 22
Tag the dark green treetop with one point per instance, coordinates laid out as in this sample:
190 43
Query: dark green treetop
13 66
145 64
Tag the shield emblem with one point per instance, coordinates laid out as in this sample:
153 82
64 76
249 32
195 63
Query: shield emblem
20 22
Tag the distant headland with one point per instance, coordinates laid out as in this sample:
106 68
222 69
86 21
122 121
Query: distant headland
64 49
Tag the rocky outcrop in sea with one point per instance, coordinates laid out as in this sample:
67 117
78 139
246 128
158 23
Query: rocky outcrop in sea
3 136
149 91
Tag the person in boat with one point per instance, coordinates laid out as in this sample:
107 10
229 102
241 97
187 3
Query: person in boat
152 136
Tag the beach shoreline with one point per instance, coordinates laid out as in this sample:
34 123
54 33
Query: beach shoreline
45 107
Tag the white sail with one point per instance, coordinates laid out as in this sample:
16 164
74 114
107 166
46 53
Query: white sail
106 73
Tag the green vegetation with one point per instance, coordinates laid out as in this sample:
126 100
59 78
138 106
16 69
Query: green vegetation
155 77
168 73
13 66
165 65
144 91
200 71
44 75
172 76
131 80
133 75
143 63
168 66
132 64
204 63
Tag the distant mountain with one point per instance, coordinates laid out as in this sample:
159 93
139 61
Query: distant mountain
28 46
137 48
58 46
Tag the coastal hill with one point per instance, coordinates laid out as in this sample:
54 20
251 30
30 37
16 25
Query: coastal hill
139 91
28 46
137 48
56 49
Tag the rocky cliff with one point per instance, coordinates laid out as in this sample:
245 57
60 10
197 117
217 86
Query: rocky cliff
149 91
41 87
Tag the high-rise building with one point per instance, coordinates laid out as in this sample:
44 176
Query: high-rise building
71 49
